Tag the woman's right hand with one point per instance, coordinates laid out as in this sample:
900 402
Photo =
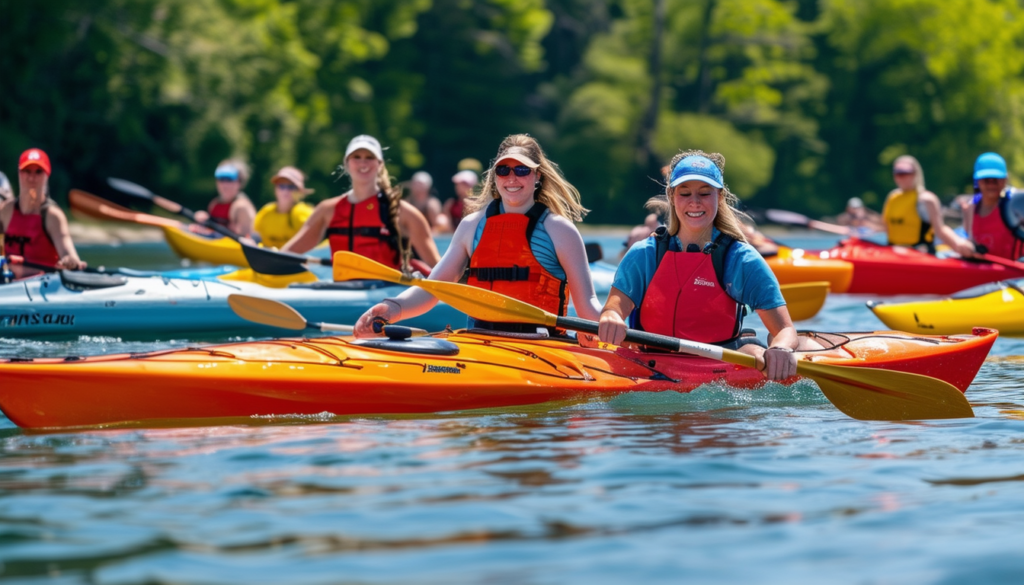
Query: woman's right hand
612 329
201 216
364 326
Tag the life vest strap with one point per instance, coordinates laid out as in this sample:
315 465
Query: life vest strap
503 273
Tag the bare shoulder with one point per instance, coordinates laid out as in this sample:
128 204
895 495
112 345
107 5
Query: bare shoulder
929 197
556 225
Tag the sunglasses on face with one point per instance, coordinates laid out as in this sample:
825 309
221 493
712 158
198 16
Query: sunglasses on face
519 170
989 181
225 180
286 186
903 173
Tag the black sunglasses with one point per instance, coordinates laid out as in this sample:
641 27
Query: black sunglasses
519 170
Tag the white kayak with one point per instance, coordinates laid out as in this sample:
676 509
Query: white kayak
71 304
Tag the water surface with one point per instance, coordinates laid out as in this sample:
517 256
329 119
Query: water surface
716 486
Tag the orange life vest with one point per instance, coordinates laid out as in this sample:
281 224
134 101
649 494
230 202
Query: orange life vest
366 229
27 237
686 297
504 262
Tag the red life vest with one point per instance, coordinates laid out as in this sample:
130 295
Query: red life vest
221 212
686 297
456 211
27 237
995 232
366 229
504 262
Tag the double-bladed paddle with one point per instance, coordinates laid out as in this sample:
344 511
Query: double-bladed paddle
277 314
137 190
861 393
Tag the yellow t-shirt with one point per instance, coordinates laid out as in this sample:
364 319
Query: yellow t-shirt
277 228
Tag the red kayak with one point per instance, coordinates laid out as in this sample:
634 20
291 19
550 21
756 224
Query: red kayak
895 270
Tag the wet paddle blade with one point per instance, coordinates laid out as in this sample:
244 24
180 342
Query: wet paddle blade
876 394
476 302
805 299
266 312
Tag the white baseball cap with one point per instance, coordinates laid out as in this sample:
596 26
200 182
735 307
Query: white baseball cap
365 141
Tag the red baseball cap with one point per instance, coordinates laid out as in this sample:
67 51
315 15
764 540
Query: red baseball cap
34 156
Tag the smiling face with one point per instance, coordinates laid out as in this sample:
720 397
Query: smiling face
515 191
228 189
696 206
362 166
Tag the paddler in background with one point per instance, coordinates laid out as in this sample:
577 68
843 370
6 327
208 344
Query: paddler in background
994 218
6 193
694 277
279 221
864 221
421 196
455 208
518 238
231 208
32 225
371 219
913 214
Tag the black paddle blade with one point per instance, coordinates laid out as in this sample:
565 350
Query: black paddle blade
273 262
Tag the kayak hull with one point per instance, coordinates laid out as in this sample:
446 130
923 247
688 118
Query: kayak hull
795 267
895 270
164 308
339 376
999 305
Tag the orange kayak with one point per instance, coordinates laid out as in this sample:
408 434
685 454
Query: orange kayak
460 371
792 266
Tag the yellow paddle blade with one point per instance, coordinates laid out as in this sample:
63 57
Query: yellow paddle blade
266 312
268 280
476 302
877 394
805 299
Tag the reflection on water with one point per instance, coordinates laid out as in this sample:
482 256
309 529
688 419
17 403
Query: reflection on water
715 486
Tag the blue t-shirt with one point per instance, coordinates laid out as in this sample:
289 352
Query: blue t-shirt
540 244
748 279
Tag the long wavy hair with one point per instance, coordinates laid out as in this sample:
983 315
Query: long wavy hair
727 221
552 189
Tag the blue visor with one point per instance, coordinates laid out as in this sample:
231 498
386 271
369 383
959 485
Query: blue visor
226 172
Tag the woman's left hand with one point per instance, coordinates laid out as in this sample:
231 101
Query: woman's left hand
779 363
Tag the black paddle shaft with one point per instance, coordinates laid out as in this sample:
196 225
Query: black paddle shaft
632 335
140 191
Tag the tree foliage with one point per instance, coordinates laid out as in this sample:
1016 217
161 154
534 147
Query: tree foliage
809 100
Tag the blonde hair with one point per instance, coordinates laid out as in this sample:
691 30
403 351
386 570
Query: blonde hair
728 218
918 171
552 189
393 194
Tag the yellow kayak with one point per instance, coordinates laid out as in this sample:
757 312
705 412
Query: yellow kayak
792 266
805 299
193 246
997 305
225 251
